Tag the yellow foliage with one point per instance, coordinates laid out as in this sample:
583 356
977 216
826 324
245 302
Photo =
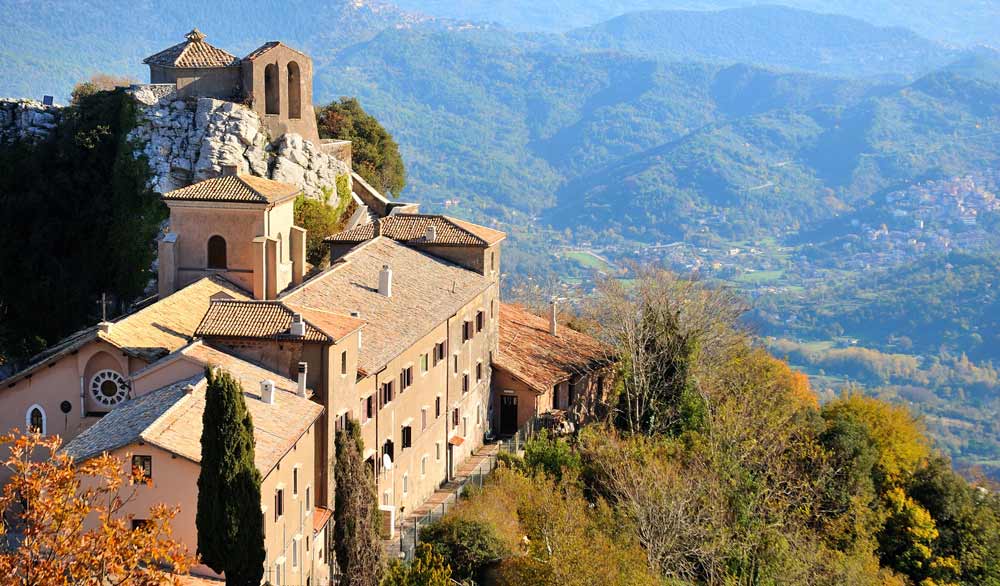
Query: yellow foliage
897 434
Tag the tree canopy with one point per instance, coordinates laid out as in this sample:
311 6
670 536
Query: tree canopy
230 525
375 154
82 221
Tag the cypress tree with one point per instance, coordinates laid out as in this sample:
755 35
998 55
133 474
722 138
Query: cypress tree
356 516
229 521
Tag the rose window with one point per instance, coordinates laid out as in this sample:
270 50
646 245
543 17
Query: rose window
108 388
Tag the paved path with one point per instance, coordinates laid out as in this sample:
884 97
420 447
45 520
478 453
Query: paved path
445 494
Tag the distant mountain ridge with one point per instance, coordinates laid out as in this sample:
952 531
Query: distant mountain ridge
773 36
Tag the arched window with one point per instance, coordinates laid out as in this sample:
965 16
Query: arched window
272 97
294 91
34 419
217 252
281 249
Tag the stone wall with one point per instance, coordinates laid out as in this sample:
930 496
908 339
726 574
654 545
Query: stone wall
189 140
20 119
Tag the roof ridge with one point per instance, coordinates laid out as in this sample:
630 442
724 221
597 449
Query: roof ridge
340 263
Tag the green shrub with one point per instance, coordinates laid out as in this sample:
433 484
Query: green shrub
469 547
551 455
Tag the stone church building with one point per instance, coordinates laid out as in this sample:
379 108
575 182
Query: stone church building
274 80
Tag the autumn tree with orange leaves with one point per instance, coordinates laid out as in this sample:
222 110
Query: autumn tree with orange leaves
65 523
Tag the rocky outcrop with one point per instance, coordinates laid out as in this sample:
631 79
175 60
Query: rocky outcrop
26 119
190 140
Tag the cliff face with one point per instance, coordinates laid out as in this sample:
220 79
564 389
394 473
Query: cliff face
189 140
26 119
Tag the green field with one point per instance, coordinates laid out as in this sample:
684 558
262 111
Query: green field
589 261
760 277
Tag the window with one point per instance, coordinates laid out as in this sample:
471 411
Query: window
108 388
493 261
294 91
466 331
465 427
343 362
279 569
437 406
364 410
424 362
279 503
340 422
407 439
423 466
369 407
142 466
480 321
295 553
406 483
35 419
309 504
454 417
423 419
456 363
272 98
405 379
479 414
493 309
479 371
386 393
437 452
439 352
388 449
465 383
295 482
217 252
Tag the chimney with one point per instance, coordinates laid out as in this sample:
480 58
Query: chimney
385 281
553 323
298 327
188 389
267 391
229 169
104 327
303 371
357 314
377 227
431 234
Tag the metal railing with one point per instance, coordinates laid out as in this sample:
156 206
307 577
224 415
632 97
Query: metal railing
409 533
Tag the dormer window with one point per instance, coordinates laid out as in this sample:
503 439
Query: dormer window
217 252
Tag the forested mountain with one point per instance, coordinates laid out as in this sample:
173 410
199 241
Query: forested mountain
771 36
783 169
960 22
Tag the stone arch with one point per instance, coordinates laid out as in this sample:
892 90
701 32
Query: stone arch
34 418
294 90
272 90
217 253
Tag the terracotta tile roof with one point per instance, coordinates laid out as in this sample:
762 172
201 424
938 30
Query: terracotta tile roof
426 291
321 516
412 229
193 52
170 323
235 188
267 47
151 332
532 354
171 419
272 320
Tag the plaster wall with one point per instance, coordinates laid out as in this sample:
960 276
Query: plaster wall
194 225
254 87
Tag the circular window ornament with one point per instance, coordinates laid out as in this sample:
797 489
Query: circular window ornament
108 388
